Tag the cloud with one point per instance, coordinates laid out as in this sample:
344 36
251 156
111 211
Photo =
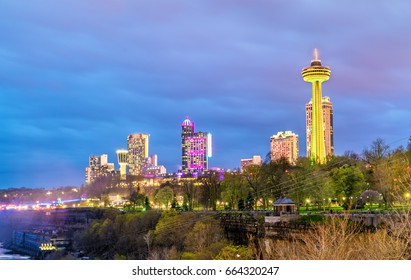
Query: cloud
76 77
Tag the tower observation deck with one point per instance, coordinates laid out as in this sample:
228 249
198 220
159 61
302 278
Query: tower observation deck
316 74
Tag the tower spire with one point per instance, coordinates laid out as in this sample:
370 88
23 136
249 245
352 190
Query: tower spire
316 54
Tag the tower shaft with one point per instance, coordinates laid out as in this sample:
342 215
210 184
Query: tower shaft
318 153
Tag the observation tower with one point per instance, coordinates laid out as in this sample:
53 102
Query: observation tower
316 74
122 157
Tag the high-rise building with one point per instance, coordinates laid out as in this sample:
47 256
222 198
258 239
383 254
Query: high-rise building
284 145
316 74
327 108
137 146
255 160
122 158
195 148
156 171
154 160
98 166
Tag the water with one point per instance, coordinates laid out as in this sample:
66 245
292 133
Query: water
7 255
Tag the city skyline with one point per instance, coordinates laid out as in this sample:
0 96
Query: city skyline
76 77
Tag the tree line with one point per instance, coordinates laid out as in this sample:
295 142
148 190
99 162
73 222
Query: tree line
378 175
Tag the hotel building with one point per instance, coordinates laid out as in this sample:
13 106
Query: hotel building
255 160
284 144
137 146
98 166
195 148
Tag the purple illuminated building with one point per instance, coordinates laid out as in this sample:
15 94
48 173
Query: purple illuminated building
195 148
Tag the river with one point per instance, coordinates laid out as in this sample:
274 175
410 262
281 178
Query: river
7 255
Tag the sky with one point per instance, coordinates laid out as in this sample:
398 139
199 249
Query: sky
78 76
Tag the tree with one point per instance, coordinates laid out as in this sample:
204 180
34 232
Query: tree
348 182
206 239
234 189
174 203
172 229
189 193
137 199
205 232
164 197
370 197
211 184
241 205
250 202
147 205
376 152
274 179
388 176
253 176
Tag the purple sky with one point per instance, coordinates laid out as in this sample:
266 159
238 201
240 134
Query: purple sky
76 77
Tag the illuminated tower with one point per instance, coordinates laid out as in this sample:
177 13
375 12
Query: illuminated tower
137 145
327 107
316 74
122 157
195 148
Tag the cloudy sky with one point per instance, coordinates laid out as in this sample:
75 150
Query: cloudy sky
78 76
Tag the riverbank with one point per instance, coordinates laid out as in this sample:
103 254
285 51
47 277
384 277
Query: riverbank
9 253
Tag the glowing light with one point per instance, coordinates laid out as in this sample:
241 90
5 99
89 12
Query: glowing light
187 122
209 145
316 74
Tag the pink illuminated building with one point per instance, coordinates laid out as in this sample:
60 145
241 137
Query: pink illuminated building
284 145
195 148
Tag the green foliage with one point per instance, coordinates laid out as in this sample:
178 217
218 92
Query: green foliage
189 256
204 233
147 205
119 257
234 189
349 182
137 200
233 252
206 239
189 235
275 180
249 204
241 205
211 189
119 235
164 197
173 227
189 193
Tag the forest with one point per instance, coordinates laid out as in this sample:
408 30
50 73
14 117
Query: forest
171 221
380 177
